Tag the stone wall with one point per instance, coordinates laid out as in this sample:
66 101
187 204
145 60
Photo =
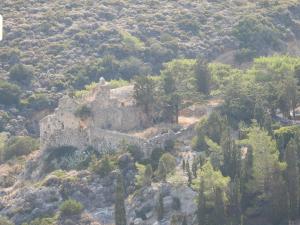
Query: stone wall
107 141
63 127
117 117
103 129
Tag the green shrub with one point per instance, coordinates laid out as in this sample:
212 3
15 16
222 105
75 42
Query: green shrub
131 42
4 118
169 162
155 156
102 167
283 137
136 152
70 207
256 34
244 55
189 25
18 146
21 74
10 55
5 221
83 112
63 157
169 145
118 83
42 221
9 93
39 102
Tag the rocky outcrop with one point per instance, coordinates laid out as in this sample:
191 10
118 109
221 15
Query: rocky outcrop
176 200
25 202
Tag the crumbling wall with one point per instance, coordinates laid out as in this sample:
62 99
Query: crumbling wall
108 141
117 118
102 130
79 139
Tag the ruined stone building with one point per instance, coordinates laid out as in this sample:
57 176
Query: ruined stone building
110 116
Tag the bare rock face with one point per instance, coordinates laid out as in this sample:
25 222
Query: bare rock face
30 203
83 219
142 208
26 202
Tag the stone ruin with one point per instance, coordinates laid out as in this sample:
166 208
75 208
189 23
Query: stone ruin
112 114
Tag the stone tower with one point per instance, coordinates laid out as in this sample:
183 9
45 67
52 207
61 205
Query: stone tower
102 92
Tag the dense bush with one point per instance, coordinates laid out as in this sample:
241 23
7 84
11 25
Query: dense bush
70 207
103 166
169 145
189 25
9 93
60 158
136 152
166 165
283 137
83 112
10 55
257 34
38 102
155 156
42 221
21 74
4 118
18 146
5 221
244 55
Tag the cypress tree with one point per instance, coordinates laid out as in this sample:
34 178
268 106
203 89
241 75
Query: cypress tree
219 209
292 179
201 208
203 76
278 198
120 211
183 165
194 167
189 173
171 99
246 177
235 211
160 207
148 175
184 221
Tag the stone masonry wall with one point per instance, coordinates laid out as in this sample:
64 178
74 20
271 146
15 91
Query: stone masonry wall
103 130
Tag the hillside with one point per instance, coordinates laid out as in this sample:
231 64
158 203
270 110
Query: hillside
65 45
55 36
132 112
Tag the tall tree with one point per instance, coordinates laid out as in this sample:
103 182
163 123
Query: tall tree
189 173
171 99
215 126
234 210
195 167
183 165
198 142
144 93
219 208
203 76
292 172
148 175
160 207
231 154
278 198
246 178
201 208
120 211
265 156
